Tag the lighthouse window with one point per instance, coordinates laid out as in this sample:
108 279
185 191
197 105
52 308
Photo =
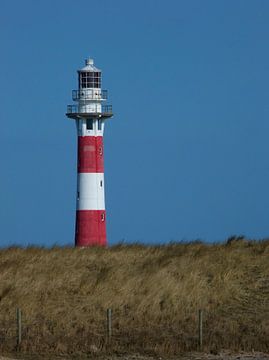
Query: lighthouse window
90 80
97 79
99 125
89 124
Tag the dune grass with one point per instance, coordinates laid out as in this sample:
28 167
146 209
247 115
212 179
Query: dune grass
155 293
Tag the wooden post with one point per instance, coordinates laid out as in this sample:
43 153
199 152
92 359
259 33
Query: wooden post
109 324
19 326
200 330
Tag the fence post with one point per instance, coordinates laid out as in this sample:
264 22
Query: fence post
19 326
109 324
200 330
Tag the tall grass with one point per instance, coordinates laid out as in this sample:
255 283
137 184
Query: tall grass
154 291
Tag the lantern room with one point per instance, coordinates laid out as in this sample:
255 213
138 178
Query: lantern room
89 77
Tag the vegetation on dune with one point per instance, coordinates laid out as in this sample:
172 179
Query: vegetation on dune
155 293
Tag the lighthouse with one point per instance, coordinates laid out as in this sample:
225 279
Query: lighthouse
90 114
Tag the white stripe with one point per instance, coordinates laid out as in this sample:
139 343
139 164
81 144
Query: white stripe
90 193
98 128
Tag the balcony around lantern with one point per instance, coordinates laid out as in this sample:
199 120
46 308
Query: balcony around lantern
89 94
76 112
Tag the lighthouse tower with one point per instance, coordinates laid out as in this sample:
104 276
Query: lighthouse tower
90 114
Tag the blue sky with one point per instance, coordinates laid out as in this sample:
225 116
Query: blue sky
186 154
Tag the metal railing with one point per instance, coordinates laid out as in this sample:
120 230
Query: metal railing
89 94
75 109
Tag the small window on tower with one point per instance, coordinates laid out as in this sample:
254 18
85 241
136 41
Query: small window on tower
103 217
99 125
89 124
101 183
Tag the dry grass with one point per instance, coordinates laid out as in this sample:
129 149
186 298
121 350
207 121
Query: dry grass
155 293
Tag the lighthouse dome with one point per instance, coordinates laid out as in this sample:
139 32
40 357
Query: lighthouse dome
89 66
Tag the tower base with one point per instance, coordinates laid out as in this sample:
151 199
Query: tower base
90 228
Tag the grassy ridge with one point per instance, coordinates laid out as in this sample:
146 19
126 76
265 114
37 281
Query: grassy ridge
155 293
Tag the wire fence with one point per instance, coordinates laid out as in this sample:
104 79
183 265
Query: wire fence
113 335
22 333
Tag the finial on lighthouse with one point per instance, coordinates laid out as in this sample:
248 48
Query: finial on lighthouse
89 61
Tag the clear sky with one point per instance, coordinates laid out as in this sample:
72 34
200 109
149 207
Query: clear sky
186 153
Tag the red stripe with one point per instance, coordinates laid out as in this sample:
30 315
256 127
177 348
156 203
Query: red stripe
90 154
90 228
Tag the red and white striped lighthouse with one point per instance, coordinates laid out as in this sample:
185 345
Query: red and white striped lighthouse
90 115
